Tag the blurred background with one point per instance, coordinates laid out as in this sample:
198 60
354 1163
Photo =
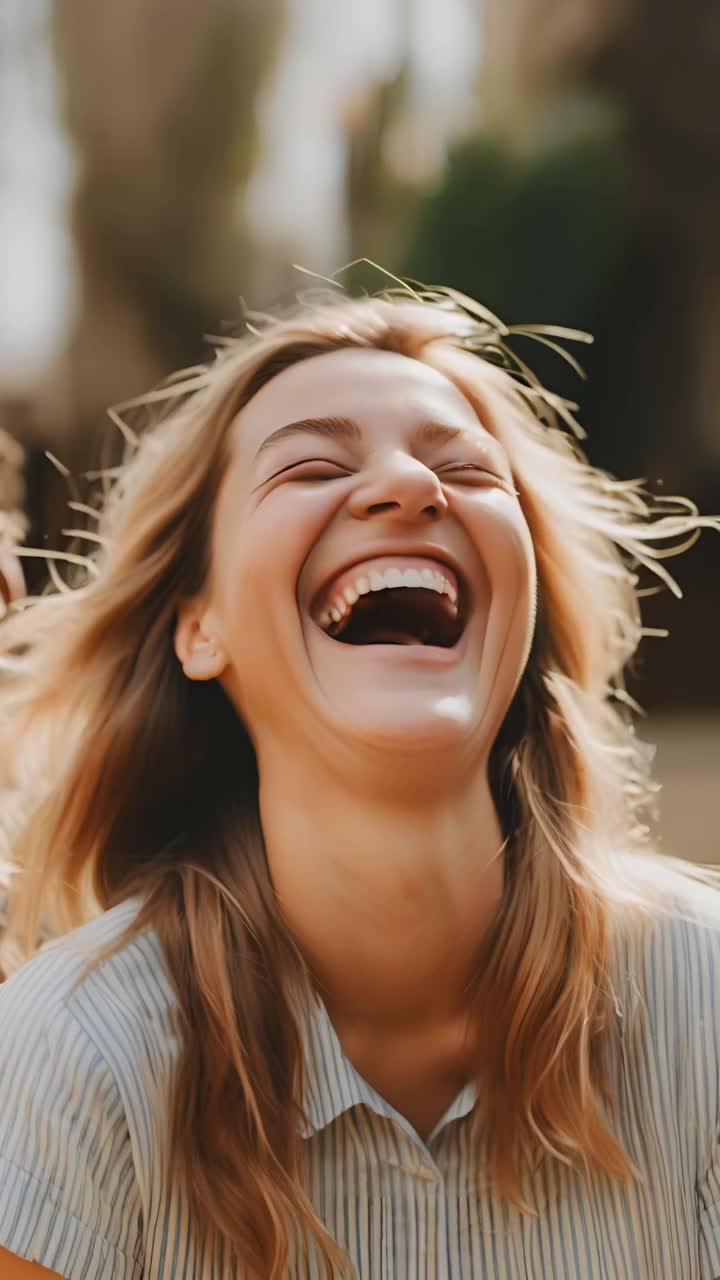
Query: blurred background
161 160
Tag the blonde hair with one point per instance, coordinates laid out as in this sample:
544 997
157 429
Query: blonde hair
94 701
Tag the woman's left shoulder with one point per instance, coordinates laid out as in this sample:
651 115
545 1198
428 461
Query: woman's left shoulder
667 938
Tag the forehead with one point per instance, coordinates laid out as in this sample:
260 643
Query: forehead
375 388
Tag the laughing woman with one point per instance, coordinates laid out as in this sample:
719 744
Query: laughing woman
325 777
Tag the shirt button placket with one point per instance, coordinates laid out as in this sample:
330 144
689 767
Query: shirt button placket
441 1236
435 1248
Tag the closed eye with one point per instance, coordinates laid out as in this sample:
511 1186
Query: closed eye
311 469
472 468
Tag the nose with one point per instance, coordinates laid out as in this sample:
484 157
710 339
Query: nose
401 486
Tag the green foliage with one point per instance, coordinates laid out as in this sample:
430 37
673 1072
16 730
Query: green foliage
535 234
544 232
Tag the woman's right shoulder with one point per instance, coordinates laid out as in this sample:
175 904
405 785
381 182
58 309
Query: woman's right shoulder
125 1007
84 1069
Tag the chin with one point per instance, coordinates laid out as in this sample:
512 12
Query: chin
407 724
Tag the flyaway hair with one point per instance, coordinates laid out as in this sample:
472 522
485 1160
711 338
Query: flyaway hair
93 702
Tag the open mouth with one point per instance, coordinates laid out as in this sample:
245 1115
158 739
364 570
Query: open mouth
403 601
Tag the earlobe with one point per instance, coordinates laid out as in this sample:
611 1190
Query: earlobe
198 650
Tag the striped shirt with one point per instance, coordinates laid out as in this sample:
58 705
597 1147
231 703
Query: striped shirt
83 1098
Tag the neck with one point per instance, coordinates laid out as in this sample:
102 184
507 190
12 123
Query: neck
390 898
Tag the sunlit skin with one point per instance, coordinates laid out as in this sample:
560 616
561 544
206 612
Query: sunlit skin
382 839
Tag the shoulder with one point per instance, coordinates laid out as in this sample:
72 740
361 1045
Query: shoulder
85 1061
666 955
668 904
123 1009
78 1089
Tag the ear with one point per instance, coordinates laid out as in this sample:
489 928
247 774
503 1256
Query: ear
196 641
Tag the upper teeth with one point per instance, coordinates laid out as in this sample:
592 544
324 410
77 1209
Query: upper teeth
342 602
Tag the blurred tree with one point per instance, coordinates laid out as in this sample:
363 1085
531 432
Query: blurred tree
591 196
539 230
375 197
664 61
159 98
534 50
387 158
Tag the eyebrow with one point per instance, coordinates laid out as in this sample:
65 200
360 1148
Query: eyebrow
346 429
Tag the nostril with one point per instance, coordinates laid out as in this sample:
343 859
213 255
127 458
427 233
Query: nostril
376 508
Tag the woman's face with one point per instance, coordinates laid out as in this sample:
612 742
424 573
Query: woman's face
373 577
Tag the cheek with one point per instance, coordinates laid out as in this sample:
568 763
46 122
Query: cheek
502 538
258 557
505 546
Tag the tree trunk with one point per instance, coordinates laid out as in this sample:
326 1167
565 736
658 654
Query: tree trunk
159 97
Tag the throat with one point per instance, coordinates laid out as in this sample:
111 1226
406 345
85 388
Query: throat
400 616
420 1074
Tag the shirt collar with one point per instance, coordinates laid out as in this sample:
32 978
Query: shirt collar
333 1085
